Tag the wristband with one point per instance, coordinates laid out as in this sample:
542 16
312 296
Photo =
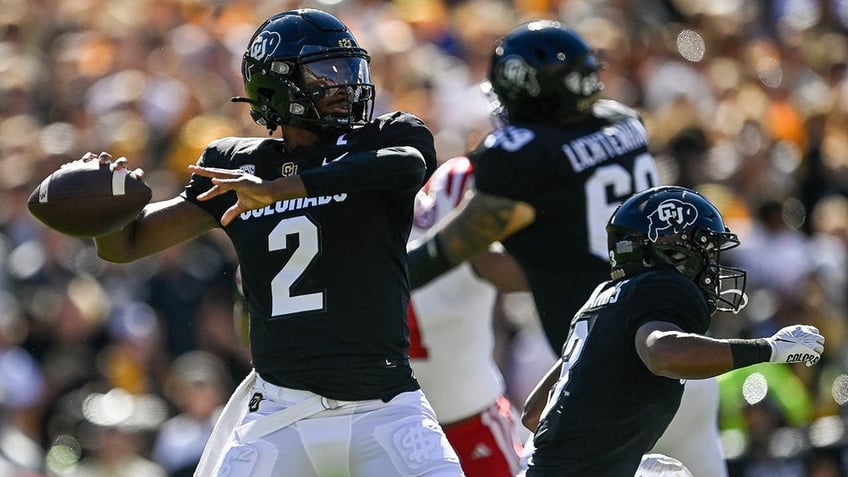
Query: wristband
426 262
748 352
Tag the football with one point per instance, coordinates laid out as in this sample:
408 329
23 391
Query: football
87 199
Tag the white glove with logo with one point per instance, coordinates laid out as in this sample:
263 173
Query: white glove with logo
795 344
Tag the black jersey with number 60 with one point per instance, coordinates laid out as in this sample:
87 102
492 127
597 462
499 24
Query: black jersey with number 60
607 409
325 276
575 178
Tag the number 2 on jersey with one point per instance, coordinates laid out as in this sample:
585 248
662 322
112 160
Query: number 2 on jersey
283 302
571 355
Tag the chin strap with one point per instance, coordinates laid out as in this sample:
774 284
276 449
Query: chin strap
267 119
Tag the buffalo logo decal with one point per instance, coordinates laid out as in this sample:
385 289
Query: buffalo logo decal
288 169
515 72
264 45
671 214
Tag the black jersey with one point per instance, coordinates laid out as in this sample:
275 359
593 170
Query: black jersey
574 178
325 277
607 408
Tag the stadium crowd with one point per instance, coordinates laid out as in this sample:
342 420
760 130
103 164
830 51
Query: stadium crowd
118 369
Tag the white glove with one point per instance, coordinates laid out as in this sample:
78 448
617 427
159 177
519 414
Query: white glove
796 343
659 465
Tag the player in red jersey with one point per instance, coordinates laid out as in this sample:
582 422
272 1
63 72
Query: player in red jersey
452 340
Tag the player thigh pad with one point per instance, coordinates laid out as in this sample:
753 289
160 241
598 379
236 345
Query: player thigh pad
256 459
416 445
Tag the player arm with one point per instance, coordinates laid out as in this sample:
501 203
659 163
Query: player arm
389 168
668 351
500 269
480 220
538 397
160 225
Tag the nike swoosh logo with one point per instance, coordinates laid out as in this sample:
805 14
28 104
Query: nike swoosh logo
336 159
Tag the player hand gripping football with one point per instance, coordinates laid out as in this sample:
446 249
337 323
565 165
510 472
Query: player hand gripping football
795 344
252 192
120 163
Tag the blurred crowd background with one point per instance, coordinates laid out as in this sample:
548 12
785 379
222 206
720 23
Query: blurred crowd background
117 370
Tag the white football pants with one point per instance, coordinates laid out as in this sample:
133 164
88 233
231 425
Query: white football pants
358 439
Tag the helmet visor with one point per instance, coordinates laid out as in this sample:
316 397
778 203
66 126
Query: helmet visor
345 71
337 90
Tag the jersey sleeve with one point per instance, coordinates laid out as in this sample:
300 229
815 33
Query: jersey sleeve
385 169
391 165
668 296
508 164
215 155
405 129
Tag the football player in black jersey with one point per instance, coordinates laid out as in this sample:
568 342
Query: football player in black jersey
547 181
549 177
319 220
639 336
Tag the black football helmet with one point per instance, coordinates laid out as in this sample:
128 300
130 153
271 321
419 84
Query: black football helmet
295 59
676 227
542 71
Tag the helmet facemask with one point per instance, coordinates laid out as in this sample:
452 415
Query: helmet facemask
695 253
341 85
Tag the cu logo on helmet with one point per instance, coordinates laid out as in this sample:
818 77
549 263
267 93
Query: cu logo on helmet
516 72
671 214
264 45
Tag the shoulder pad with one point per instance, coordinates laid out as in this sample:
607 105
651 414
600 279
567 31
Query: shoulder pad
231 143
399 117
